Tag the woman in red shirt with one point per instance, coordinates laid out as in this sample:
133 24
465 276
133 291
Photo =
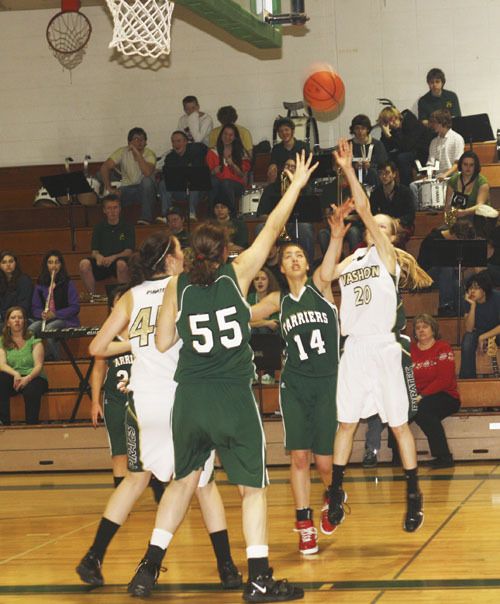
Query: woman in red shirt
229 164
434 370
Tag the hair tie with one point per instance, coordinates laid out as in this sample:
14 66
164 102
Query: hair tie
200 257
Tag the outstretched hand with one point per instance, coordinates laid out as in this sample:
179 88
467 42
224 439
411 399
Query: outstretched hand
303 170
336 219
343 154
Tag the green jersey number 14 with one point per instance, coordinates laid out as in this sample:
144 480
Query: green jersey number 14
316 343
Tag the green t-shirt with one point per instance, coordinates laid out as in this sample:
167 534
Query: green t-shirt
213 324
118 369
456 185
309 327
109 239
21 359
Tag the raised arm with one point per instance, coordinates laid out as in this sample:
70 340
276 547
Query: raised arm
326 272
384 247
166 331
266 307
103 345
248 263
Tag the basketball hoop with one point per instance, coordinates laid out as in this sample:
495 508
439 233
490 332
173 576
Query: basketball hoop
68 33
141 27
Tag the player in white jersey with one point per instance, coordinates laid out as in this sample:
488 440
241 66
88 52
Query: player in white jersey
375 372
148 426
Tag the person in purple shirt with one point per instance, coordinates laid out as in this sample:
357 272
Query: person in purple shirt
63 305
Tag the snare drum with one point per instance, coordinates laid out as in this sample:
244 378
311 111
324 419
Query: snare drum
431 194
249 201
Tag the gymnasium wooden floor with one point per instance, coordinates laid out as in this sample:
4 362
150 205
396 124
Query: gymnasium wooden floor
47 521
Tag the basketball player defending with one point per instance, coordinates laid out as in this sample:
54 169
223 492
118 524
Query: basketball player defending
375 371
309 327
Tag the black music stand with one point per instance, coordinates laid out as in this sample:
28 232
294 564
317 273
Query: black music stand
186 179
266 356
474 128
325 164
458 253
307 209
69 185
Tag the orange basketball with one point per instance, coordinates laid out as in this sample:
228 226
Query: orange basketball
324 90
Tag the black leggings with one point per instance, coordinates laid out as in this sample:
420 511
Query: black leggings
432 410
32 394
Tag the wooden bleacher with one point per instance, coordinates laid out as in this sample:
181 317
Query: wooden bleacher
29 232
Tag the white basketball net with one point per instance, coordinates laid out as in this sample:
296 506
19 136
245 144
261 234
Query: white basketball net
141 27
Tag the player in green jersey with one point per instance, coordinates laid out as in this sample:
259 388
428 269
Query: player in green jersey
214 405
309 327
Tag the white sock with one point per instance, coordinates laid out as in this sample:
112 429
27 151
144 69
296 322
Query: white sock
257 551
160 538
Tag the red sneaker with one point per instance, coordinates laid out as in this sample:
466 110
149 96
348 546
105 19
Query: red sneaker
308 543
327 528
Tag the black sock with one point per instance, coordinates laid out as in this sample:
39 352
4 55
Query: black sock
105 532
337 477
157 487
303 514
155 554
257 567
411 481
117 480
222 549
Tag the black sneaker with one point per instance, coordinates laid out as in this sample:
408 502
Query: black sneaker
89 569
145 578
265 589
336 513
230 576
370 459
414 513
442 462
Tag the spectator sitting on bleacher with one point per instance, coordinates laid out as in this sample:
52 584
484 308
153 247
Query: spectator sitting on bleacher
183 155
437 98
446 277
229 164
369 150
269 200
21 366
286 149
264 283
237 229
196 124
63 306
175 222
16 288
395 200
227 115
136 165
113 241
482 320
436 383
405 140
468 189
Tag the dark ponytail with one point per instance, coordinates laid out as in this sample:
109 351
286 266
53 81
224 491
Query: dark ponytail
209 242
148 261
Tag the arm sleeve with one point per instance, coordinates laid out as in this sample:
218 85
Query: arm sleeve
130 240
212 159
456 112
73 308
445 372
198 127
